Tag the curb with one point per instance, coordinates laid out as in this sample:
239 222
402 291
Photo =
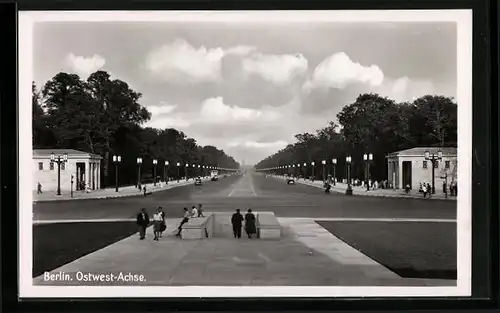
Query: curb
110 196
378 196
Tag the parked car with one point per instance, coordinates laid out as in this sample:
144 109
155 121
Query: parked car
197 181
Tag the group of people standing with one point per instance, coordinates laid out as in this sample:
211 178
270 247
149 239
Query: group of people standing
160 222
237 222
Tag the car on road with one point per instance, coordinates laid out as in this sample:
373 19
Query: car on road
197 181
290 180
214 178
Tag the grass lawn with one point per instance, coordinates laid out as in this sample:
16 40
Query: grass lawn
410 249
57 244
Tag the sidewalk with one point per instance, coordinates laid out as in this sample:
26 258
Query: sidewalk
361 191
108 193
305 255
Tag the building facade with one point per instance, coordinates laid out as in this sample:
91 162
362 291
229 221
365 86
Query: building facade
410 167
84 167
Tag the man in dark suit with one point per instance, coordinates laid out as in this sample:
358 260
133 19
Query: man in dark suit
143 223
237 220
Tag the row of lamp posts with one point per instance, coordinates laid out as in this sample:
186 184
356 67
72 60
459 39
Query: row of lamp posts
368 158
61 159
165 170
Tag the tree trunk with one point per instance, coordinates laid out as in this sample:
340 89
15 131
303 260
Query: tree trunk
105 170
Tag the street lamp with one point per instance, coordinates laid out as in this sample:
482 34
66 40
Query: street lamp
313 171
368 159
155 161
72 180
348 161
334 162
165 172
324 165
186 171
116 159
59 160
434 160
178 173
139 162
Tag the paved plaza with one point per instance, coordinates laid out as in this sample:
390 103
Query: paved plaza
306 254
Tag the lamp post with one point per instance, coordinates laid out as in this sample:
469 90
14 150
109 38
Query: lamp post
165 172
334 162
305 170
313 168
59 160
348 161
434 158
178 171
116 159
155 162
324 165
139 162
199 170
187 173
72 180
368 159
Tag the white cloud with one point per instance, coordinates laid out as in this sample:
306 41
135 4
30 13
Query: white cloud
163 108
169 122
278 69
260 145
215 110
84 66
405 89
239 50
180 62
338 71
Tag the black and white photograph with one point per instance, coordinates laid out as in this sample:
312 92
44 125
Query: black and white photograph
245 153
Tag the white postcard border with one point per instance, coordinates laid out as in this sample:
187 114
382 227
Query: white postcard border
463 18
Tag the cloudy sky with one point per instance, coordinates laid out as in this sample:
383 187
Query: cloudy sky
248 88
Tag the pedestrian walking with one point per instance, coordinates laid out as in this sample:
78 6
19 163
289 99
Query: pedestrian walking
163 222
237 220
39 188
250 223
144 190
143 223
424 190
157 221
185 219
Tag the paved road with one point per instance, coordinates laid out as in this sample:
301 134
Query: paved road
252 190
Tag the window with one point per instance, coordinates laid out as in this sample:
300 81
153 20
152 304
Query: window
63 166
51 166
436 164
446 164
40 166
424 164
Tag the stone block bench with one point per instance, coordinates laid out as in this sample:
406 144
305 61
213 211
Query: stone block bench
198 227
268 226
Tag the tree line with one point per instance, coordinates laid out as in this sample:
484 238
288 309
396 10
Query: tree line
372 124
104 116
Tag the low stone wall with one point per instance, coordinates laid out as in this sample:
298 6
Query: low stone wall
268 226
199 227
219 224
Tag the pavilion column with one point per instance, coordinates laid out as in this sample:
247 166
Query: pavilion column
400 177
88 172
98 174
